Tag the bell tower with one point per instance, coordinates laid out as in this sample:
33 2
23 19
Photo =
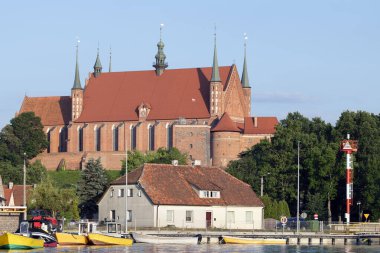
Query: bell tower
76 92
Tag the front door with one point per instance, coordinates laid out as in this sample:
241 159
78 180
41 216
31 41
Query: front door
208 219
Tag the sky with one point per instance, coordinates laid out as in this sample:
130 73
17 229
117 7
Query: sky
319 57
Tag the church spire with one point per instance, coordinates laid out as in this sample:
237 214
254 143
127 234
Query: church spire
77 84
215 68
160 64
109 67
97 66
244 76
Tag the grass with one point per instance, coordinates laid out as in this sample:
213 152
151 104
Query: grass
70 178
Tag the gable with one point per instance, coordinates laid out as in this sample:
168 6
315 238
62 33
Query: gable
234 101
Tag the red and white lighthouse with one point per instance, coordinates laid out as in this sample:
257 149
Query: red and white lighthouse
349 146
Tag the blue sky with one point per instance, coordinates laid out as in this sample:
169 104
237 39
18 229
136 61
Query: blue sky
316 57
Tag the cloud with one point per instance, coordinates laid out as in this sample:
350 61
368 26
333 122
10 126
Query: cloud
282 98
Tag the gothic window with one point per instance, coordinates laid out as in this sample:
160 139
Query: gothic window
48 139
80 139
169 136
97 136
63 139
133 137
115 138
151 137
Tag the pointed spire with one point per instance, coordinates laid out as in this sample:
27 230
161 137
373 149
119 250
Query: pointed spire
98 65
244 76
160 64
77 84
109 67
215 68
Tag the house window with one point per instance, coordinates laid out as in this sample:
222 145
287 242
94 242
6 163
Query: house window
129 215
80 139
151 137
111 192
249 217
139 193
112 215
189 216
170 216
130 193
115 138
230 217
120 193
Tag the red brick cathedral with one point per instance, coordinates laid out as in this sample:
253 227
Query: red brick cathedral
204 112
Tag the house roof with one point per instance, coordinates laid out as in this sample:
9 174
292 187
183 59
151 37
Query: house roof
225 124
18 194
264 125
175 185
52 110
115 96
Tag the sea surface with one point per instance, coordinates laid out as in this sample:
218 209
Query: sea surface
142 248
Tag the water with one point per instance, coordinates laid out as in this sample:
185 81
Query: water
158 248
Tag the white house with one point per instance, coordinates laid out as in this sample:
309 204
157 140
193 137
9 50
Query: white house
161 195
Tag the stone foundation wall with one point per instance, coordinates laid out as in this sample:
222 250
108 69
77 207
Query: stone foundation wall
9 222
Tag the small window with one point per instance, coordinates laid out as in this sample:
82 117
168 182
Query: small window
139 193
130 193
249 217
191 145
170 216
121 193
189 216
111 193
129 215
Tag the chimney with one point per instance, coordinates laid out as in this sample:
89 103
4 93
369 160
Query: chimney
10 185
255 121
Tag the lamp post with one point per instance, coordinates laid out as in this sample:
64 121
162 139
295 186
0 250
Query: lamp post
298 188
24 187
262 185
359 216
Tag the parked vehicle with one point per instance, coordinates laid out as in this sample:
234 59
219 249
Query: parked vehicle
44 220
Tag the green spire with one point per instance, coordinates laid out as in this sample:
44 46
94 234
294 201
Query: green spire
160 64
215 68
244 76
77 84
97 66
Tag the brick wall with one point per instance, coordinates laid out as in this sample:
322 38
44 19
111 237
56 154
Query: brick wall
9 222
225 147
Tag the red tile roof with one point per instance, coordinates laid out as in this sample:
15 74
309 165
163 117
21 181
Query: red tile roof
225 124
264 125
115 96
52 110
175 185
18 194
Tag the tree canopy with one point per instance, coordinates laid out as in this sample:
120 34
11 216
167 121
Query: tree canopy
322 164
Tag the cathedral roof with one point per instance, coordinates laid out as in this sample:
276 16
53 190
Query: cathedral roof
174 185
260 125
115 96
225 124
52 110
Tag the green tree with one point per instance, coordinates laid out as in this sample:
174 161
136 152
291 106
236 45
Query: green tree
10 173
36 173
91 186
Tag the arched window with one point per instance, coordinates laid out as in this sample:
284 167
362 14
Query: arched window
169 135
48 139
80 138
151 137
97 136
133 137
63 139
115 138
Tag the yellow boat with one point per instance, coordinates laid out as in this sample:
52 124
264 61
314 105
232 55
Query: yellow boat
242 240
12 241
99 239
71 239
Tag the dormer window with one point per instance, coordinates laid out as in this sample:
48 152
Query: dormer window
143 111
209 194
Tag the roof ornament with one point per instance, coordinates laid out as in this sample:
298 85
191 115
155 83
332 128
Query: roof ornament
109 67
215 68
77 84
160 63
244 76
